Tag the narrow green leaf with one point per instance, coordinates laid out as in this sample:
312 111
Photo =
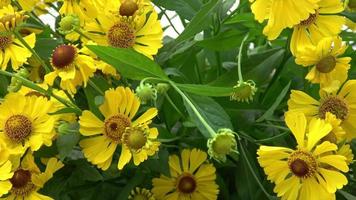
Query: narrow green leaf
223 41
206 90
278 101
199 21
129 63
347 195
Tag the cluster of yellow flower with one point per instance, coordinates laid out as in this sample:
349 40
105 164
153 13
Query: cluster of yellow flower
321 128
30 119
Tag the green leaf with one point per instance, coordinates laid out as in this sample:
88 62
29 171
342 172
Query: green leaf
66 143
129 63
85 171
211 111
199 22
64 111
347 195
206 90
350 15
278 101
185 8
131 184
223 41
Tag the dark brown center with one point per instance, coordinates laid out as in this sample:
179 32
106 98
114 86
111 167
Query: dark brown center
128 8
20 178
18 127
326 64
336 106
299 168
63 56
5 41
186 184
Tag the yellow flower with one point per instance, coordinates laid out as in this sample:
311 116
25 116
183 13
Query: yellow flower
141 194
275 12
11 49
191 178
24 122
118 128
313 166
143 34
5 169
27 179
56 105
323 23
72 65
342 104
128 8
327 66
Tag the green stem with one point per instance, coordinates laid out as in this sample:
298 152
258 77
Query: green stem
19 37
169 20
196 112
244 155
33 86
239 59
219 64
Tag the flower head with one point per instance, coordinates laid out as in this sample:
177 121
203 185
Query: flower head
222 144
326 61
191 178
146 92
312 165
119 128
244 91
141 194
69 24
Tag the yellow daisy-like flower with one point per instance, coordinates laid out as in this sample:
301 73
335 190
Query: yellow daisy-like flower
142 33
25 123
57 105
342 104
323 23
27 179
313 166
327 66
72 65
128 8
191 178
275 10
118 128
11 49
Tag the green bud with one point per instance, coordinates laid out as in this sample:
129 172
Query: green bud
146 92
244 91
162 88
68 24
16 84
222 144
66 128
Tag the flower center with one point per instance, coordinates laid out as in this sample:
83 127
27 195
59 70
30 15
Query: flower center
18 127
336 106
121 35
115 127
5 41
186 183
312 18
63 56
21 183
326 64
128 8
135 138
302 164
223 144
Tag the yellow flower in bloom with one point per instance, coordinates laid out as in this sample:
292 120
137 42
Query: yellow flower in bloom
327 66
191 178
275 12
5 169
118 128
27 179
313 166
11 49
57 105
143 34
82 8
323 23
128 8
72 65
342 104
24 122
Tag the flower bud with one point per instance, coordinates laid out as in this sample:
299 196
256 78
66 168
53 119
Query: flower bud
222 144
68 24
146 92
244 91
